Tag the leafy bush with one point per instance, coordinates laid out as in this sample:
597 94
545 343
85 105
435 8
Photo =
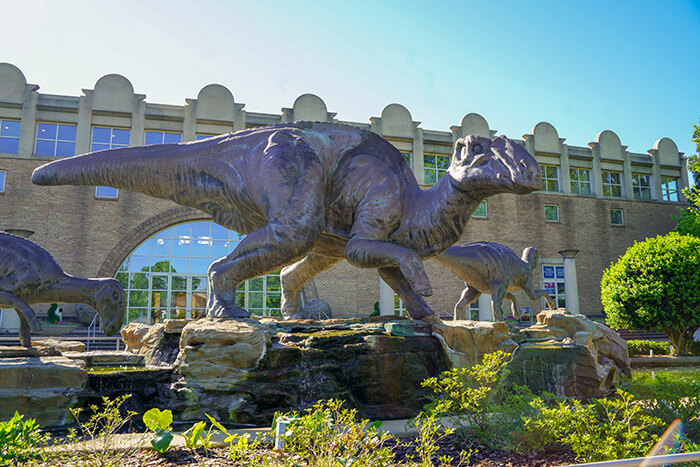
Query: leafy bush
329 435
605 429
644 347
159 423
656 285
20 440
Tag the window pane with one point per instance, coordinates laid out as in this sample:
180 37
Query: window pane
573 174
159 282
443 162
273 283
2 181
551 213
616 190
585 175
172 138
67 132
106 192
153 137
46 131
182 230
45 148
430 176
9 145
10 128
199 265
200 248
65 149
102 135
120 137
428 161
160 247
585 188
255 284
480 210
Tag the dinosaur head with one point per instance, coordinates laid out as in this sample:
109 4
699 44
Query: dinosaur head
110 303
489 166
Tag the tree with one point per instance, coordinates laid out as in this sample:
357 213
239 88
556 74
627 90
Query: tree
688 223
656 285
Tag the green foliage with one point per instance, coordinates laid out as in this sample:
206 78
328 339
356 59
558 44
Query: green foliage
97 436
430 432
605 429
51 315
159 423
240 447
194 434
688 223
644 347
329 435
656 285
21 440
467 394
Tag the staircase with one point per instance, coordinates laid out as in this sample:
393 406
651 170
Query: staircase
631 334
95 341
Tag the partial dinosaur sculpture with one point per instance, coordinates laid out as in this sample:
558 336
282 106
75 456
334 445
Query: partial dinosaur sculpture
494 269
29 275
309 195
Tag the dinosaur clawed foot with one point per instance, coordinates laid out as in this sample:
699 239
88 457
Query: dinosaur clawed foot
219 309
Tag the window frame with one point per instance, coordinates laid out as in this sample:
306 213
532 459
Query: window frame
611 185
111 145
622 217
578 182
546 178
558 219
6 137
439 172
55 140
666 191
638 189
486 210
162 133
3 181
558 281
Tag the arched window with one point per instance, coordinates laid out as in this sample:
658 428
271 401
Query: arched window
166 275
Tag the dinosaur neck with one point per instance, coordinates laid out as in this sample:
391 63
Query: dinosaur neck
436 218
70 290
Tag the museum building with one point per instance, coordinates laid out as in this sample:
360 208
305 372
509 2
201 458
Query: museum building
597 199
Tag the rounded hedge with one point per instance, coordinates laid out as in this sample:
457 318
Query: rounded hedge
656 285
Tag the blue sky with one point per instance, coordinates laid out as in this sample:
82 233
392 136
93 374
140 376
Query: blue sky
631 67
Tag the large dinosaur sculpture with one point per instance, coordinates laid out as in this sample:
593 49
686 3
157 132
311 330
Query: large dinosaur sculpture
312 194
494 269
29 275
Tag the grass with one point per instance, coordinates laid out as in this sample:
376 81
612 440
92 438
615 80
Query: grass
680 374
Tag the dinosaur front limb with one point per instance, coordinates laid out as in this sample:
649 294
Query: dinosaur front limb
294 277
539 293
416 307
27 318
513 306
469 296
498 293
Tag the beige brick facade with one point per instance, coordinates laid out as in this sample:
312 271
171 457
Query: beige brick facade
91 236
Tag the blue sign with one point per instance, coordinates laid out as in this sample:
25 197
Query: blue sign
560 272
548 272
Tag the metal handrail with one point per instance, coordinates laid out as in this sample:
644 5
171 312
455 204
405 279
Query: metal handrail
92 328
652 461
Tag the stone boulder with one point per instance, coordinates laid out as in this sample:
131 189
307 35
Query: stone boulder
60 345
158 344
43 388
466 342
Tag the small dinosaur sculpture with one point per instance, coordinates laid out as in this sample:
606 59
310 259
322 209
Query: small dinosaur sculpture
29 275
309 195
494 269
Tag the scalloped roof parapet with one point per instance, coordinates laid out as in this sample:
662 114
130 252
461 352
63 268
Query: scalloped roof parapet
609 145
396 120
472 124
13 83
114 92
309 107
666 151
546 138
216 102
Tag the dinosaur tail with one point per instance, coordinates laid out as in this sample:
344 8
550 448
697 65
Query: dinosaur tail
145 169
530 256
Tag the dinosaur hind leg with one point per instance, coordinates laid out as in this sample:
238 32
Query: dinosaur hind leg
295 276
469 296
416 306
27 318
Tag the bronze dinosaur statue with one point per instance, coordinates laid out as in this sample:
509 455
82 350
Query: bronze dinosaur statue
29 275
494 269
309 195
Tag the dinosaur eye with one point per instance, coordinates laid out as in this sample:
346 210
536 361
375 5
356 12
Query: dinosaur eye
477 148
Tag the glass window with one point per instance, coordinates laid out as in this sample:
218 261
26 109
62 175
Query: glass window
162 137
108 138
204 136
106 192
408 158
551 213
163 279
2 181
550 177
55 139
474 311
399 308
616 217
481 210
435 166
669 189
612 184
580 181
553 283
641 186
9 136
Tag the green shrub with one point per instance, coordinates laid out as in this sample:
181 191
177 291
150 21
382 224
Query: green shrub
329 435
159 423
605 429
644 347
656 285
20 440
